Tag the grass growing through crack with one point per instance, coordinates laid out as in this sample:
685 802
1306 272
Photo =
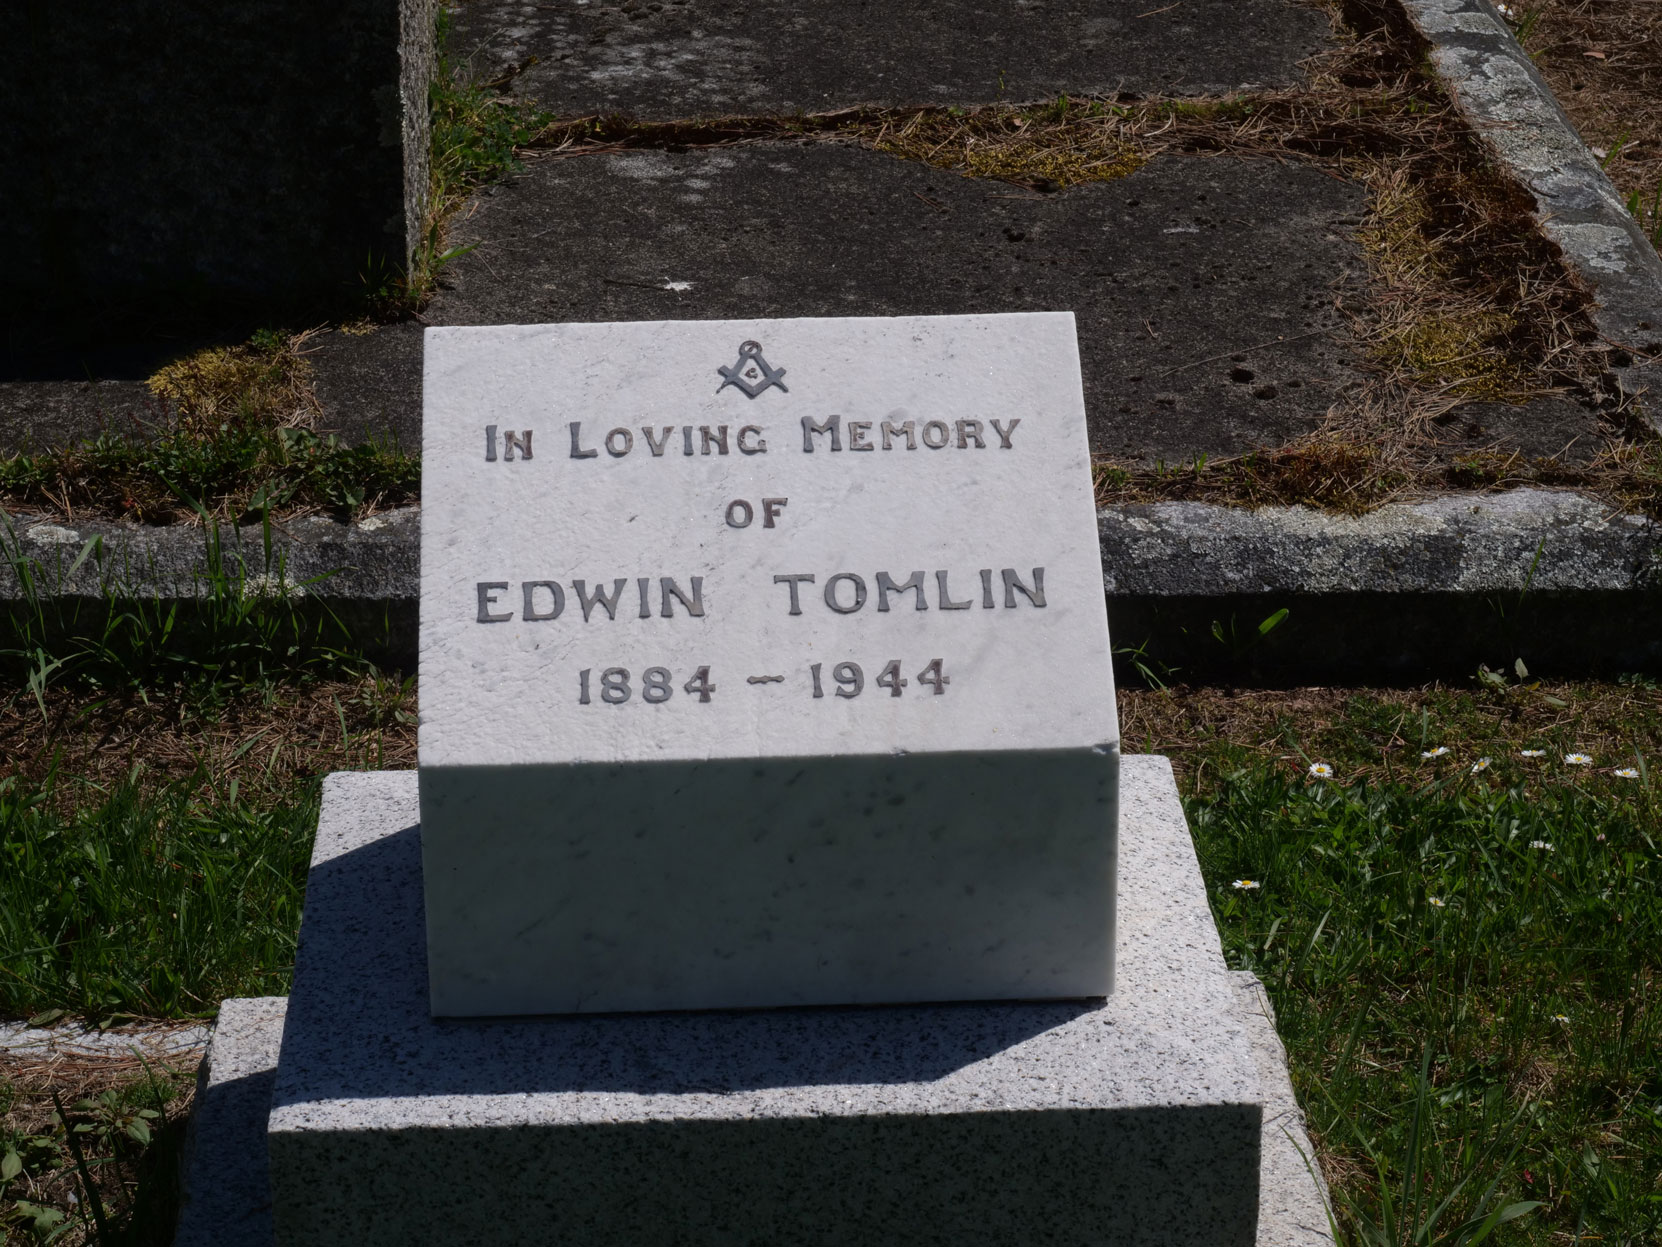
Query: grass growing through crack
1464 950
476 136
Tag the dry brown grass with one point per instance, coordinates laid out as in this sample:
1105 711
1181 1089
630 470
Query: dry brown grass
266 741
1363 458
270 385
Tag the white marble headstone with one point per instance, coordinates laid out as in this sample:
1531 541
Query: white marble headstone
763 663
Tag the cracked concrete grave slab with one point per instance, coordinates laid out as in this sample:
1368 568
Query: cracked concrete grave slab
686 58
1171 272
1208 290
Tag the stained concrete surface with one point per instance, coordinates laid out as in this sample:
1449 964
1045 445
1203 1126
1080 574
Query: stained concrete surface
686 58
1210 291
1171 272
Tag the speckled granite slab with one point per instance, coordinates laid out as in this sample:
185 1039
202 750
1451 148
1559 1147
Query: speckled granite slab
1136 1120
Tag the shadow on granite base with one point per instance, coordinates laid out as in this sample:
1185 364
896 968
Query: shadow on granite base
1141 1119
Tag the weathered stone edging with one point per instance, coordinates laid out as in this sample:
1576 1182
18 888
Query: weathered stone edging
1505 99
1468 544
158 1043
1404 593
1408 592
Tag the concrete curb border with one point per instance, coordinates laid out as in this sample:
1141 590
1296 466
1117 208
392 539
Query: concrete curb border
1406 593
1507 102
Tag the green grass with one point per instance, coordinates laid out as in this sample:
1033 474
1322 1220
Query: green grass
147 902
1469 1015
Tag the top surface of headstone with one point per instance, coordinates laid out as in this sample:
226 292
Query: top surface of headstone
962 532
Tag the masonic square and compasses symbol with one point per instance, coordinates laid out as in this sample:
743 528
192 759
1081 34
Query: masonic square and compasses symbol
751 373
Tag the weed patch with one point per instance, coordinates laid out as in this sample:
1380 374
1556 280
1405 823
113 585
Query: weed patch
230 629
233 439
103 1171
138 903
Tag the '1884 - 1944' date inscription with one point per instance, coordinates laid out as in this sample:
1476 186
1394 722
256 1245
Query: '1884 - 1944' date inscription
657 685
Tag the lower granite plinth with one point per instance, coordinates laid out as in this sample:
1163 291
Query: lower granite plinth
1135 1120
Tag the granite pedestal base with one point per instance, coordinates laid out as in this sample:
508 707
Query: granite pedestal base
1136 1120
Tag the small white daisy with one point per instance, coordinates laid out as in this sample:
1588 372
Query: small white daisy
1542 844
1245 885
1482 764
1559 1017
1438 752
1599 837
1532 753
1628 772
1320 770
1436 902
1579 759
